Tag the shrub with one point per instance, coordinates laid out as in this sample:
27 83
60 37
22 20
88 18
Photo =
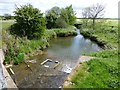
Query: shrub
29 22
60 23
65 32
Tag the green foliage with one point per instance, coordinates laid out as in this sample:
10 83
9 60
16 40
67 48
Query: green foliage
20 57
49 34
65 32
60 18
29 22
16 49
68 15
51 17
60 23
11 48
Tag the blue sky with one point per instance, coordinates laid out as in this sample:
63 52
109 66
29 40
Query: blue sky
111 6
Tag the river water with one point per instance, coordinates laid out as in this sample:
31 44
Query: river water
66 50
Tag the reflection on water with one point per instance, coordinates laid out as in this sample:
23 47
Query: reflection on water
66 50
71 48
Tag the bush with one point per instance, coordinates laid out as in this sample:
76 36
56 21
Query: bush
60 23
60 18
51 17
65 32
29 22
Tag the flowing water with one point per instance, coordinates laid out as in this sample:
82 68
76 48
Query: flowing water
66 50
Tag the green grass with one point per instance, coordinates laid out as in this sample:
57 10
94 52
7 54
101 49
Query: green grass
102 71
7 23
111 22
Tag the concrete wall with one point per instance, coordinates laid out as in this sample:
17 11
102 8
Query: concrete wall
5 79
2 78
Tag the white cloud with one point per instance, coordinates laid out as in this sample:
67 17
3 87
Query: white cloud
8 6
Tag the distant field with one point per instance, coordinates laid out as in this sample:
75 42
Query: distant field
111 22
7 23
4 24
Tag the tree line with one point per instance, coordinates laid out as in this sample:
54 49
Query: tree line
32 23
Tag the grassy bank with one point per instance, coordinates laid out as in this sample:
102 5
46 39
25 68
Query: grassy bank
105 35
102 71
65 32
18 49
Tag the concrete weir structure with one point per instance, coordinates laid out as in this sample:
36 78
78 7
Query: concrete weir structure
5 79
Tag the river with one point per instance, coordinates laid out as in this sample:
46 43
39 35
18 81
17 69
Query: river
65 50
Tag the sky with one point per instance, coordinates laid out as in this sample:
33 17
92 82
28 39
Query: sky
111 6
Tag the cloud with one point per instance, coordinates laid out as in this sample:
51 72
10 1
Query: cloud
8 6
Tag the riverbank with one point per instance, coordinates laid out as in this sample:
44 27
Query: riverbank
19 48
82 59
103 40
102 71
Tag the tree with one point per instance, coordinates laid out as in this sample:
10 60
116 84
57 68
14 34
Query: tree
29 22
60 18
68 15
85 16
93 12
51 16
60 23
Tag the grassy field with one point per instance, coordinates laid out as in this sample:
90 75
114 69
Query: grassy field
110 22
102 71
4 25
